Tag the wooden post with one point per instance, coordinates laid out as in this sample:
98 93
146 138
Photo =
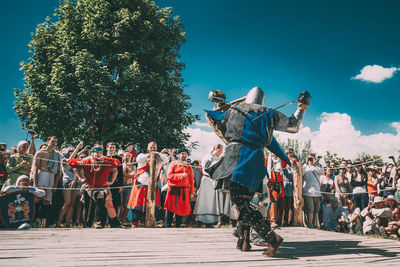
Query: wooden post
152 191
298 194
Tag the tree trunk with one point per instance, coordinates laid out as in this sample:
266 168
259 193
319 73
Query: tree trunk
152 191
298 194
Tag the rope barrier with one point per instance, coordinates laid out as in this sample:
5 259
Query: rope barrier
133 163
89 188
352 165
130 186
377 191
193 166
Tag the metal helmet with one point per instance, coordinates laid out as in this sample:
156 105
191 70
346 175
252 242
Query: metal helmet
255 96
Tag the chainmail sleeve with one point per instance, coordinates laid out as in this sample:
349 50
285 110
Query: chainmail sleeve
281 122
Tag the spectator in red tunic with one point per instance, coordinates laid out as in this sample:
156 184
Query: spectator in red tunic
181 189
96 170
275 167
138 197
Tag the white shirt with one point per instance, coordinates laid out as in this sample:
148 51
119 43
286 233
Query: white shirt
208 160
144 178
349 215
359 189
311 185
326 181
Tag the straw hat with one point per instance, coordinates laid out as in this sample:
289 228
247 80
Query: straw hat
378 199
389 197
372 167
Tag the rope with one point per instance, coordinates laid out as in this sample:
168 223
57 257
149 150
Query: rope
377 191
89 188
133 163
353 165
272 109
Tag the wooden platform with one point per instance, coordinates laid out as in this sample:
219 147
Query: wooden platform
188 246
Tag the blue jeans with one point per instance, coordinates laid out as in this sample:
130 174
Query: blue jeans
361 200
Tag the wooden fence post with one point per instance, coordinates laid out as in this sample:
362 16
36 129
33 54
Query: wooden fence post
298 194
152 191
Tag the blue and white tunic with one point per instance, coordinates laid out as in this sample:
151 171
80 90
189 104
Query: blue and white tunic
248 129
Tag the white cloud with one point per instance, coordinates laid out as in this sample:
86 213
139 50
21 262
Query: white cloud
336 134
206 139
375 73
201 124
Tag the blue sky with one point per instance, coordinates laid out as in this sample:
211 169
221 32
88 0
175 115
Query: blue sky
281 46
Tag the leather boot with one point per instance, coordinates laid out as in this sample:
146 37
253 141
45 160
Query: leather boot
114 223
243 243
263 236
273 245
239 235
239 243
246 240
243 232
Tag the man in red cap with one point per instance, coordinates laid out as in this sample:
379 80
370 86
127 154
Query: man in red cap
96 169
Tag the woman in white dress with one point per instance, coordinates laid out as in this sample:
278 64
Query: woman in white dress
207 208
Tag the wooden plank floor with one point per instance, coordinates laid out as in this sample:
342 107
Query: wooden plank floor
188 246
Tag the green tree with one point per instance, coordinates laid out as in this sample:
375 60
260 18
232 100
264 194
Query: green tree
398 158
104 70
365 157
301 149
332 157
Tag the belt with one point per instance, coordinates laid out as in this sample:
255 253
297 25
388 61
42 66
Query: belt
235 142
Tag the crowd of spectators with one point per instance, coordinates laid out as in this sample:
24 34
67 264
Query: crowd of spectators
78 186
353 197
345 196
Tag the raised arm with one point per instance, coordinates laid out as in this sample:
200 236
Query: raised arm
290 124
83 150
79 146
35 167
13 166
32 148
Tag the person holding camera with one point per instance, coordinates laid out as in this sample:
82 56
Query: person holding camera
312 170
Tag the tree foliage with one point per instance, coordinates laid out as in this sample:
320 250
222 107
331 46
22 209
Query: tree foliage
104 70
301 149
332 157
374 159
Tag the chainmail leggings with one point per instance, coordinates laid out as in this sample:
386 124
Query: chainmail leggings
248 215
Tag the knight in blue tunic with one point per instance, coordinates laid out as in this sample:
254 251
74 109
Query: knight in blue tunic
247 128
